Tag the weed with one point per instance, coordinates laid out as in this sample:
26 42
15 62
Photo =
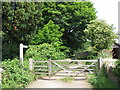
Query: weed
67 79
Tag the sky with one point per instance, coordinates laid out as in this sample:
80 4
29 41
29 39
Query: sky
108 11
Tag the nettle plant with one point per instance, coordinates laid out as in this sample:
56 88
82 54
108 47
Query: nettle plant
15 76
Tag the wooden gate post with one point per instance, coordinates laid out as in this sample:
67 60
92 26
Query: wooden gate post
31 64
100 63
49 67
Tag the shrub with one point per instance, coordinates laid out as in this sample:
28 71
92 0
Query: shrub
100 34
14 75
100 80
44 52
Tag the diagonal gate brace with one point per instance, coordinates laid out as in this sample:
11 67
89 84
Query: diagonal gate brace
62 67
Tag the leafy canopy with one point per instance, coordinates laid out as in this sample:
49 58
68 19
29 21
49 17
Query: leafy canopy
73 17
100 34
50 33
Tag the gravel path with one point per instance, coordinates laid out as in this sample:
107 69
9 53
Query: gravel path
59 84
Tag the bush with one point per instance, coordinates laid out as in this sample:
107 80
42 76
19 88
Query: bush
100 34
14 75
43 52
100 80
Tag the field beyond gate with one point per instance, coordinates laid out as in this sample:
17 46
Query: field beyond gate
68 67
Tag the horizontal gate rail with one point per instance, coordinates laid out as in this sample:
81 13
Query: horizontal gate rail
81 69
56 69
41 69
40 66
39 61
75 60
40 73
77 65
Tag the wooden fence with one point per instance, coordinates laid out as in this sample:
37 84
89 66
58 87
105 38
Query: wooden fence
49 70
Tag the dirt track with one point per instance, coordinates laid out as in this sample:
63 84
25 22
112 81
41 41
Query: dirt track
59 84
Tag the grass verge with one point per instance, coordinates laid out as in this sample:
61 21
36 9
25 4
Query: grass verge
100 80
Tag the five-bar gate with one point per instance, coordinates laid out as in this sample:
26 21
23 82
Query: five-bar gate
71 67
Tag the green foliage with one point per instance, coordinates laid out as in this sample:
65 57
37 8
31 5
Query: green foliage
14 75
50 33
73 17
100 34
19 23
44 52
67 79
116 70
45 22
105 53
20 20
100 80
10 50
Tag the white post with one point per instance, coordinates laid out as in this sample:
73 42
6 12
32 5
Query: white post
1 70
100 63
21 52
31 64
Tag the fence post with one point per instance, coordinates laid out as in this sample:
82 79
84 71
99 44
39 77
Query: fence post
100 63
31 64
1 70
49 67
21 54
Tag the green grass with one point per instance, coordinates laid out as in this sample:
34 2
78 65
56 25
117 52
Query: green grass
100 80
67 79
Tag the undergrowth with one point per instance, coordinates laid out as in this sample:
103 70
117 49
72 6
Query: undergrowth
14 75
100 80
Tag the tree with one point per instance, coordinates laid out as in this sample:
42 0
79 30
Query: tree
23 20
73 17
100 34
50 33
20 20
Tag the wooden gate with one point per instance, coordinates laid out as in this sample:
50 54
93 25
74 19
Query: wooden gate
71 67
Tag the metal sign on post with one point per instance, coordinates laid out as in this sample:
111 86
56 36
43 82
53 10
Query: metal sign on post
21 52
